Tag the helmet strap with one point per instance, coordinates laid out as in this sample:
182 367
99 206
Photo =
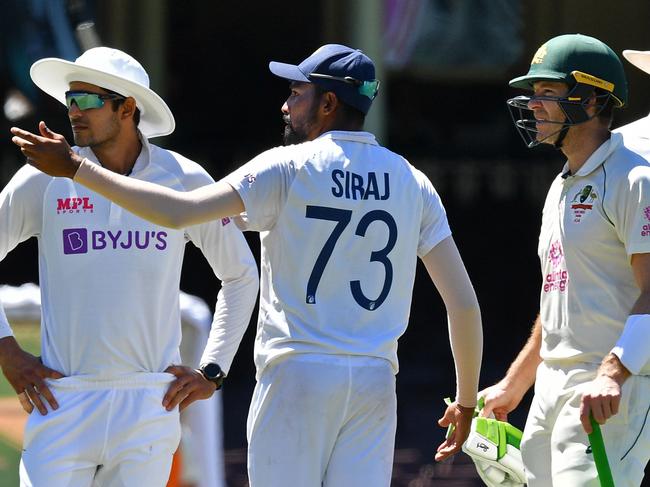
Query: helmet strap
561 136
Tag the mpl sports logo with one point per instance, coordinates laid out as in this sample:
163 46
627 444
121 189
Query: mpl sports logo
74 205
79 241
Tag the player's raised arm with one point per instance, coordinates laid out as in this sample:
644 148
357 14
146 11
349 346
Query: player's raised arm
50 153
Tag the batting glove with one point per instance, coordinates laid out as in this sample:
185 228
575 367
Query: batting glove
494 448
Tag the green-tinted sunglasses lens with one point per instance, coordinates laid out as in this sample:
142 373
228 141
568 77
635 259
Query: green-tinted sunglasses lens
369 88
84 101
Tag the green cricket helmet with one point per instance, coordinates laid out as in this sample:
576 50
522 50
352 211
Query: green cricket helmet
586 65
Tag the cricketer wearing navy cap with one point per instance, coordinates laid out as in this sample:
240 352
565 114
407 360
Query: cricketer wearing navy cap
342 221
348 72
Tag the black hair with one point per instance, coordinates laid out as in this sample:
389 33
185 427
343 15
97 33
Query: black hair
115 103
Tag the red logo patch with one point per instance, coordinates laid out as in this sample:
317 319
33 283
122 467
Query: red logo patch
74 205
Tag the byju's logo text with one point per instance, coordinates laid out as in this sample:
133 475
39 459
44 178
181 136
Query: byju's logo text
77 240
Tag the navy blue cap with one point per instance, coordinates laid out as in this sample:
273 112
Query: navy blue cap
348 72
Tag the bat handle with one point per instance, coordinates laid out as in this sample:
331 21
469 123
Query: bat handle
600 455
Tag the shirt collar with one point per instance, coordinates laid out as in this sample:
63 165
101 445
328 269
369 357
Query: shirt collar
141 162
144 157
356 136
598 157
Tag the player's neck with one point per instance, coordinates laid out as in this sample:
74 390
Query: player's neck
580 144
119 155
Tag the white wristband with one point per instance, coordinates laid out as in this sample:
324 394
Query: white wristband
5 329
633 346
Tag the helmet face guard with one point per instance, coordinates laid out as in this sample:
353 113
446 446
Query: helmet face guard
593 73
573 105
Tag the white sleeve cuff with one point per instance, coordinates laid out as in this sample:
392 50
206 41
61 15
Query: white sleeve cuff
632 347
5 329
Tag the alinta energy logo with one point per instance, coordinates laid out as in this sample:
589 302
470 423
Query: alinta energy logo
557 279
74 205
645 231
80 241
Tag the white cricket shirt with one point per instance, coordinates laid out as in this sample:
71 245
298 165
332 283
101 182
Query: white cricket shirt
110 280
342 222
592 223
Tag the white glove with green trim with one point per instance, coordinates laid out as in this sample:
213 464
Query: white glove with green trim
493 446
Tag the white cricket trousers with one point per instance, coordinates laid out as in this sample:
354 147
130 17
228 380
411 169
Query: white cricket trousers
322 420
112 433
555 448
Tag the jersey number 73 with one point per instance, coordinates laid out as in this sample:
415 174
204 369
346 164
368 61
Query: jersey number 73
342 219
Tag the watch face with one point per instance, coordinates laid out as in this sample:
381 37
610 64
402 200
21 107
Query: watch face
212 371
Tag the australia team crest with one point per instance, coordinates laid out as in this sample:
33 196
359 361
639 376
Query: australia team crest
583 202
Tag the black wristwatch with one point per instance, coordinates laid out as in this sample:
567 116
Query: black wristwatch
213 373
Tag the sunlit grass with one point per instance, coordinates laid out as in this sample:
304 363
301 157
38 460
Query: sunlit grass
9 461
28 336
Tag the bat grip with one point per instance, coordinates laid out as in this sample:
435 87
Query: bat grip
600 455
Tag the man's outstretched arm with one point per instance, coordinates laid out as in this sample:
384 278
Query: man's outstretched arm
50 153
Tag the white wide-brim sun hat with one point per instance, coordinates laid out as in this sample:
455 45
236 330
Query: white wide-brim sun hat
641 59
113 70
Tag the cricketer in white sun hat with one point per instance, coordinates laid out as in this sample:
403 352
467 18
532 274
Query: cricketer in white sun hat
113 70
641 59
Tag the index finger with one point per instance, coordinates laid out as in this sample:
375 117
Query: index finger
29 136
585 412
174 388
177 370
447 448
486 411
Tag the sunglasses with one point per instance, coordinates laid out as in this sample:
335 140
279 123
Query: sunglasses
86 101
365 88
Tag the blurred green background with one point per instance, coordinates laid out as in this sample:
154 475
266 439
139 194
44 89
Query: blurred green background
28 336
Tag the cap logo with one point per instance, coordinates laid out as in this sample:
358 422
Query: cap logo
539 56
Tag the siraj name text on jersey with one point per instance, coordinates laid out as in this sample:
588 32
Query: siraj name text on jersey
350 185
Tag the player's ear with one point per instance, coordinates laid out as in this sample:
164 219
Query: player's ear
128 107
329 102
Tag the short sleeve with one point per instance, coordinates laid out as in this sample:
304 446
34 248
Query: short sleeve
263 185
434 227
21 208
633 211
